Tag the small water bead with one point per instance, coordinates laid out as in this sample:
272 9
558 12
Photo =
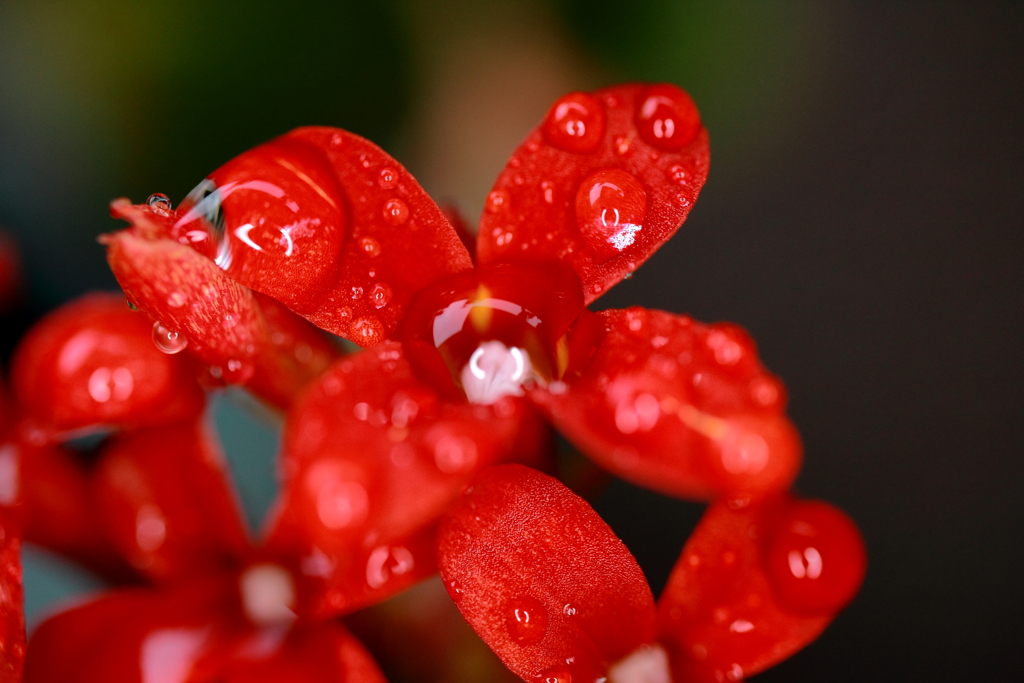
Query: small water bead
682 200
176 300
622 145
396 212
610 208
575 123
569 610
547 189
337 140
667 118
380 295
356 293
678 174
370 246
455 589
367 331
230 319
497 201
388 178
167 340
556 674
525 620
160 203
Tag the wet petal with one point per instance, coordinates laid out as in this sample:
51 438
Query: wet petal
92 363
725 615
167 503
541 578
595 186
677 406
372 456
12 599
332 226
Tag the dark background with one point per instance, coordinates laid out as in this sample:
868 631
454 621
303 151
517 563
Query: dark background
863 219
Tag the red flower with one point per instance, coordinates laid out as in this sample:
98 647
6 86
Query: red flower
380 445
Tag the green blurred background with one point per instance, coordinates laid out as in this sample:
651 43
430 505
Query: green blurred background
862 219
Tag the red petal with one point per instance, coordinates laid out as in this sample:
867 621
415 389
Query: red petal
677 406
324 653
60 511
129 636
373 456
331 225
12 615
722 615
594 186
92 362
167 504
542 578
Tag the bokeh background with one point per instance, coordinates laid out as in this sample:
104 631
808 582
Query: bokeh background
864 219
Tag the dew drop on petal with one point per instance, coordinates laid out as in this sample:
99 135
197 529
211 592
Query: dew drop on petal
575 123
367 331
167 340
569 610
525 620
396 211
497 200
380 295
388 178
547 188
356 293
677 174
610 208
337 140
370 246
667 118
160 203
230 319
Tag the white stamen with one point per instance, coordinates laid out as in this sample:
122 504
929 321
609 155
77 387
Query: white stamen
646 664
268 594
495 370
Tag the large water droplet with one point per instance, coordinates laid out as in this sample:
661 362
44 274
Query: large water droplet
667 118
167 340
396 211
575 123
380 295
160 203
610 208
370 246
497 201
526 620
388 178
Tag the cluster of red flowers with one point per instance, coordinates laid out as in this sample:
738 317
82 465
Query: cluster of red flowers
428 450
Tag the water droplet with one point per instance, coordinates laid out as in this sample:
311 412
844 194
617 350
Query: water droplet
455 589
497 200
380 295
667 118
677 174
532 146
237 372
556 674
569 610
682 200
610 208
525 620
337 140
167 340
370 246
176 300
597 288
131 305
396 211
548 189
623 145
367 331
388 178
357 292
575 123
230 319
364 161
627 276
160 203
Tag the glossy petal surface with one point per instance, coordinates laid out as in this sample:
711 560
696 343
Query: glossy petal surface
677 406
541 578
588 188
721 616
167 504
92 363
350 239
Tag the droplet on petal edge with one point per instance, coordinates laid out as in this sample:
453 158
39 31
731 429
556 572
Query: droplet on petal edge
167 340
525 620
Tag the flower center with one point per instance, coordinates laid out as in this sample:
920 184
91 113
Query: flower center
495 370
268 594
